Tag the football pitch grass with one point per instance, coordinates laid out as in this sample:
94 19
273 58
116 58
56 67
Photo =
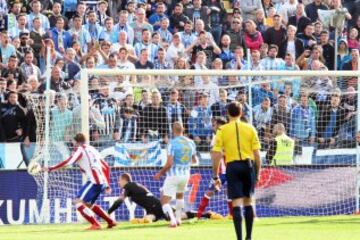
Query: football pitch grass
297 228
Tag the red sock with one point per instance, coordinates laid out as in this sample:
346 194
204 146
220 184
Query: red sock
87 214
101 213
203 204
230 206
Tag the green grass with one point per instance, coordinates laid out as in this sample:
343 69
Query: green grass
297 228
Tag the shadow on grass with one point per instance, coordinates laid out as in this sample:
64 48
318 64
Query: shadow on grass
313 221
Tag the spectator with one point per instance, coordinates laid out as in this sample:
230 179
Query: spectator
281 112
308 38
248 9
92 25
318 28
217 18
139 25
109 32
295 81
146 43
56 82
178 19
155 18
305 59
198 12
210 88
187 36
36 12
165 35
236 34
353 65
302 122
175 50
266 5
287 10
128 127
293 45
61 120
13 72
12 119
277 34
353 39
60 37
124 26
122 43
71 67
56 13
328 50
154 120
160 61
2 90
176 111
219 80
28 68
271 62
238 61
260 21
79 33
14 12
20 26
312 9
36 35
269 20
219 108
261 92
329 122
102 8
253 38
6 48
226 54
24 45
143 62
299 20
343 53
123 62
200 122
200 63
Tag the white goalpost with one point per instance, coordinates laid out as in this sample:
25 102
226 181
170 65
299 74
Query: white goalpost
113 107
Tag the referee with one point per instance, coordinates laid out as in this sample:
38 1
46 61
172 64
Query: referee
241 146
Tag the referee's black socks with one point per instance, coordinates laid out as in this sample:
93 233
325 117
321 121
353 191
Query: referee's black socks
249 220
237 218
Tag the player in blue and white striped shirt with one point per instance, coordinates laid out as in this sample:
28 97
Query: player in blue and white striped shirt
181 154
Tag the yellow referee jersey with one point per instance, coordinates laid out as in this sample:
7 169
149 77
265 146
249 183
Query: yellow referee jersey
225 141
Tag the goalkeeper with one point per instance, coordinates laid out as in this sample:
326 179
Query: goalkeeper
145 199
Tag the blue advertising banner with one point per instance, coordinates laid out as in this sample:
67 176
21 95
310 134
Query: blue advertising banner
282 191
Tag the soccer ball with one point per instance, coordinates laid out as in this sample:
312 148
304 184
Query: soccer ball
34 168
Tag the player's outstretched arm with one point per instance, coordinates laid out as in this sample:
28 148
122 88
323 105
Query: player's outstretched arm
116 205
71 160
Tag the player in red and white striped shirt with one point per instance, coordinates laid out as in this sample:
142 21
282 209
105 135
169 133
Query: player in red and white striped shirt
98 173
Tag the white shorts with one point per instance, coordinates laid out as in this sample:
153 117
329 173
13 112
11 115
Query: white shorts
175 184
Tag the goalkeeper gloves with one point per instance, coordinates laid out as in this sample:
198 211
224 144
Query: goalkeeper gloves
115 205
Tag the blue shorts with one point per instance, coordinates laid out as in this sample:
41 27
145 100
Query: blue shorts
90 192
223 181
240 179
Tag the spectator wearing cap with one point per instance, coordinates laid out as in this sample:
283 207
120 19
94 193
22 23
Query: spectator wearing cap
56 12
178 20
299 20
343 55
140 24
28 67
328 50
61 38
12 119
14 12
146 43
56 82
155 18
92 26
236 34
12 71
20 26
200 122
102 7
307 37
249 7
36 12
187 36
292 45
79 33
6 48
198 12
276 34
109 32
253 38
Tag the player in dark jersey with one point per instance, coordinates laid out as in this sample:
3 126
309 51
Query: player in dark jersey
140 195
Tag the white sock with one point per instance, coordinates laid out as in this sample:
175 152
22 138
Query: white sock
168 211
180 204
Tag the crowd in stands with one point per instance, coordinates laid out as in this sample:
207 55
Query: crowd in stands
200 34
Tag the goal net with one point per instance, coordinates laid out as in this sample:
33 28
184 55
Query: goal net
127 116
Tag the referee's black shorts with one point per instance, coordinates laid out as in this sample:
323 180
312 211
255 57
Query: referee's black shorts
241 179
